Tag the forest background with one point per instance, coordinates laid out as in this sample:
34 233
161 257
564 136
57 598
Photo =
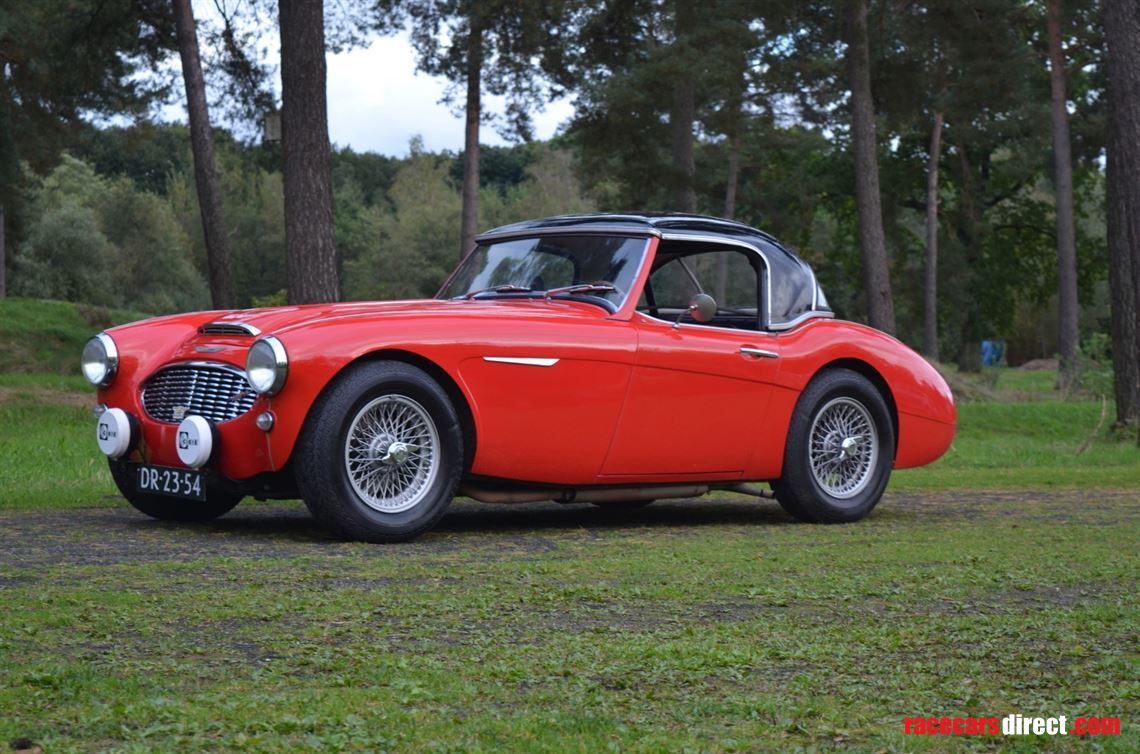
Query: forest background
945 166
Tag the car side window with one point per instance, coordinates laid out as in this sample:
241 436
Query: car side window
726 275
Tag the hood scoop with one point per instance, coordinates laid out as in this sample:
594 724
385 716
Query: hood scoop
240 329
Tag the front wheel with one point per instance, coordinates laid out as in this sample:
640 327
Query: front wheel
218 501
840 450
381 453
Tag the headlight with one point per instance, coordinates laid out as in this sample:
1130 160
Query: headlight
267 366
100 360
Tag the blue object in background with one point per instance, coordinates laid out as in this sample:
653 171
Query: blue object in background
992 352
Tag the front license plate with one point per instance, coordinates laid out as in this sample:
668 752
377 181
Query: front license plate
183 483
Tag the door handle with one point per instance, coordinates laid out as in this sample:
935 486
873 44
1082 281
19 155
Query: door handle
759 353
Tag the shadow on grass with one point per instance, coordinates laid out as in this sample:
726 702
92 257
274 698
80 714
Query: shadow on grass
292 522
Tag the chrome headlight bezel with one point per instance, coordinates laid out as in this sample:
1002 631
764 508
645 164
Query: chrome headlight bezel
100 360
267 366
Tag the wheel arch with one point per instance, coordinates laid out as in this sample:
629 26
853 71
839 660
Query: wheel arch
441 376
875 378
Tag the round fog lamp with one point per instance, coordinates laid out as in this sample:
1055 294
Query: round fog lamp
100 360
195 441
113 433
266 366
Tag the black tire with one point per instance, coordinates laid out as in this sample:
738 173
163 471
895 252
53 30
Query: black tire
800 490
218 501
323 454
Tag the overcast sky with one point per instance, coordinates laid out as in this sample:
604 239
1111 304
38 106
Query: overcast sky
377 103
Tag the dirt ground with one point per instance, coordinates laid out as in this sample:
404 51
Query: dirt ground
119 534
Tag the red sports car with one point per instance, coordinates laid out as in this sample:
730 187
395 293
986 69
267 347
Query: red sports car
608 359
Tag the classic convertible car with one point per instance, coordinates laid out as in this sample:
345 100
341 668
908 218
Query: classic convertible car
607 359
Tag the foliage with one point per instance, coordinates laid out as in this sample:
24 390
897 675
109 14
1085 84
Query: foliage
254 205
66 257
101 241
417 242
408 252
770 87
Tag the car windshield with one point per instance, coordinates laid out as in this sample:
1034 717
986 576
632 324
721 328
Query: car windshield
601 269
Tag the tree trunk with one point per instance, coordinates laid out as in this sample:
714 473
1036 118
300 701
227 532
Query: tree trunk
872 241
310 248
3 258
1068 334
471 139
682 114
1122 40
733 177
729 212
218 262
930 293
969 232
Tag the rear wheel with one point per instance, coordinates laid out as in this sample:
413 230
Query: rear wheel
381 453
840 450
218 501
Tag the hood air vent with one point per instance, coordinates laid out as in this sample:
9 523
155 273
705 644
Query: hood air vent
240 329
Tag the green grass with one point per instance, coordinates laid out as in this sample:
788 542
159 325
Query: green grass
671 629
716 626
48 457
1029 444
48 336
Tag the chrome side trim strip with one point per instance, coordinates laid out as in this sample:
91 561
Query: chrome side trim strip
523 360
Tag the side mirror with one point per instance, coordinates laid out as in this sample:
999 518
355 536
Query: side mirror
702 308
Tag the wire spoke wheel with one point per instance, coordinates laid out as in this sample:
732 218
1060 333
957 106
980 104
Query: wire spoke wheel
843 447
392 453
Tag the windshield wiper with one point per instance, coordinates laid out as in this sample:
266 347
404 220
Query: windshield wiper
499 289
598 287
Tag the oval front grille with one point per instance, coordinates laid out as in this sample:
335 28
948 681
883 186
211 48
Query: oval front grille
217 392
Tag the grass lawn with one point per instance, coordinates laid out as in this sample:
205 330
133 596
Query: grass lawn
48 336
999 580
688 626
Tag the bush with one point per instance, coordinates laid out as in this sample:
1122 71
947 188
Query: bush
103 242
67 257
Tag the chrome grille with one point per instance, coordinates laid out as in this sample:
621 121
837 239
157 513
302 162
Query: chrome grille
216 391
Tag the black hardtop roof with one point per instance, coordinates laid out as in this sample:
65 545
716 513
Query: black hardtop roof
792 285
655 224
649 223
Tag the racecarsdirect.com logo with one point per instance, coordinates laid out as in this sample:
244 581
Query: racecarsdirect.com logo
1012 725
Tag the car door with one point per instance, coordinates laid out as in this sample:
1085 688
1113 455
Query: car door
699 392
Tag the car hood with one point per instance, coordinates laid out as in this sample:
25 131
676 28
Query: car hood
279 319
